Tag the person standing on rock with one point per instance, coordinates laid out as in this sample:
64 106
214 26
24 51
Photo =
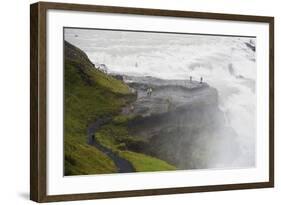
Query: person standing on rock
169 104
149 92
132 108
190 78
201 80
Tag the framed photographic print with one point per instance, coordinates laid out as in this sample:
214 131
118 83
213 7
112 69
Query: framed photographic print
134 102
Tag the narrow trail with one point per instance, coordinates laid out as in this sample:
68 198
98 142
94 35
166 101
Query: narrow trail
123 165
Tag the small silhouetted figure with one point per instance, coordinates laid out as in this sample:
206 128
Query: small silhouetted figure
190 78
132 108
201 80
169 104
149 92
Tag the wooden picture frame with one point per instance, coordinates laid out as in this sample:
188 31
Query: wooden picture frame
38 100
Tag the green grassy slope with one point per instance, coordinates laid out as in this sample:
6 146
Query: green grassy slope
116 137
144 163
89 95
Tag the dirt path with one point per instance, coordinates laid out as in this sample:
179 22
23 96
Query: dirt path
123 165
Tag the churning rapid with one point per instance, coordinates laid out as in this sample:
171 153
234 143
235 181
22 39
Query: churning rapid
225 63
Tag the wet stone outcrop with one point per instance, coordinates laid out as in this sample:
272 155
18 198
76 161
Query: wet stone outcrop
181 123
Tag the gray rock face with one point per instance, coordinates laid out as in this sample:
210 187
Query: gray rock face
182 123
158 96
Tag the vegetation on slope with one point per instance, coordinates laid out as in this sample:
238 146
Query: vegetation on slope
144 163
115 136
89 95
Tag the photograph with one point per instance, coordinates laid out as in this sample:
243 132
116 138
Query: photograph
151 101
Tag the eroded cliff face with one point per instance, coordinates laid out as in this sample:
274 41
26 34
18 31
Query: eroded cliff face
182 124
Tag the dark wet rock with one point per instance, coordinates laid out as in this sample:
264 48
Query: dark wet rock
181 121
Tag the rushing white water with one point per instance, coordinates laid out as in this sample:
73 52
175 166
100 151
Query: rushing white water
226 63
